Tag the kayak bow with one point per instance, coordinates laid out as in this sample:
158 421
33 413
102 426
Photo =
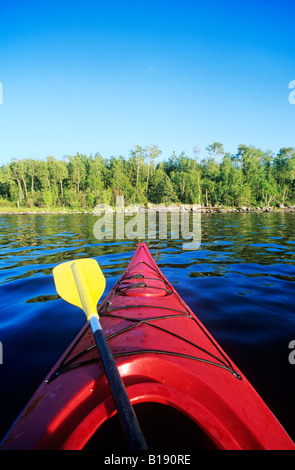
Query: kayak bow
186 392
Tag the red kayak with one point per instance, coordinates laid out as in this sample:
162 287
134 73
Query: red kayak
186 392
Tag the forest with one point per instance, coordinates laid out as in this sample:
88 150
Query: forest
249 177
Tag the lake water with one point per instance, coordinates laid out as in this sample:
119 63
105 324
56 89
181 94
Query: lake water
240 283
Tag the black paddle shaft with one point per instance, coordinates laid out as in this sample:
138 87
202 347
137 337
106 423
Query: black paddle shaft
125 409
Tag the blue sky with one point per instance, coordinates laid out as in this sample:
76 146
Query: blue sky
102 76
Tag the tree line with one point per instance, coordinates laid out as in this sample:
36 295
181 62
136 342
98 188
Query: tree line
248 177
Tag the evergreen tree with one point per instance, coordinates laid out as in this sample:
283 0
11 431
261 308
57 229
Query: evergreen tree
161 188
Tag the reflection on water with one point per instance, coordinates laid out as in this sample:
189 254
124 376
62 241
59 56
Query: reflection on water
240 283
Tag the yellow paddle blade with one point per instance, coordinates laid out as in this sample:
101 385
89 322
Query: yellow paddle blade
81 283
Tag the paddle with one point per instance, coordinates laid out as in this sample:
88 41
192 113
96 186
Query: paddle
82 283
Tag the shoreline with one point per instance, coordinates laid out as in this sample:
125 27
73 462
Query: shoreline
207 210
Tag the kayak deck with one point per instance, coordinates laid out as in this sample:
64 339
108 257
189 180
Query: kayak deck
185 390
